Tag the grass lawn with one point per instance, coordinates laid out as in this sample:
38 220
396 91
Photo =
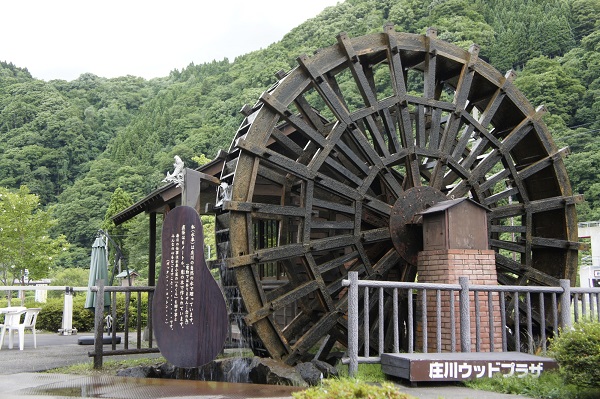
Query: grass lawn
109 367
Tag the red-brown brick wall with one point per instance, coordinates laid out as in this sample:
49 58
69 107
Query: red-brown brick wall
445 267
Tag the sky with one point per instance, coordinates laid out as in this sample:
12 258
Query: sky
61 39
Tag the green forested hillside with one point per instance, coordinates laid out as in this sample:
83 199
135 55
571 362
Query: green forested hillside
74 143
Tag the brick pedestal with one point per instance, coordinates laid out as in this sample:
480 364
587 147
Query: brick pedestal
445 267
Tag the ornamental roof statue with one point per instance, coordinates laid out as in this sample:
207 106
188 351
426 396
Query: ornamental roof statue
177 175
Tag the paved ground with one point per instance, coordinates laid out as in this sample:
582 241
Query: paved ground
52 351
21 376
49 354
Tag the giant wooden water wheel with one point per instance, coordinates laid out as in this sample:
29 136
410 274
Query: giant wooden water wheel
331 164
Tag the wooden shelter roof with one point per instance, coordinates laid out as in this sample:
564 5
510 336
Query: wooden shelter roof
169 193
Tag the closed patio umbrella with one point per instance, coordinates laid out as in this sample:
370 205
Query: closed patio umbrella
98 270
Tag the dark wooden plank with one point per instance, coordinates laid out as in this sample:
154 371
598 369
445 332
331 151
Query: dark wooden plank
268 255
335 242
296 121
461 366
374 235
286 142
188 309
318 203
327 183
420 122
508 245
282 301
389 127
494 179
276 159
333 224
543 205
344 143
534 275
326 88
356 67
545 162
554 243
387 261
338 262
269 209
508 229
343 171
492 199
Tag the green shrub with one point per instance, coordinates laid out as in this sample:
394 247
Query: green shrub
120 320
346 388
577 352
83 319
51 315
86 316
549 385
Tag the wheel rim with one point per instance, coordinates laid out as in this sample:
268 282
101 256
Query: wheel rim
330 157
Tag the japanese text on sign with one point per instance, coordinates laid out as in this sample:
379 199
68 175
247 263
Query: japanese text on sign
464 370
179 275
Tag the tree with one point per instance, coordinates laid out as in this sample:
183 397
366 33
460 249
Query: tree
26 248
546 81
81 210
71 277
73 143
208 228
119 201
526 29
408 15
137 243
459 22
584 14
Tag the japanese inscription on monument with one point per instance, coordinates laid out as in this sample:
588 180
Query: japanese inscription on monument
188 309
180 274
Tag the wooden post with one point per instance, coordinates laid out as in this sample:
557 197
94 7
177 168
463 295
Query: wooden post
152 251
99 324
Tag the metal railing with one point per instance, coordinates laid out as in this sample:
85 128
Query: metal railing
528 305
590 261
99 320
588 224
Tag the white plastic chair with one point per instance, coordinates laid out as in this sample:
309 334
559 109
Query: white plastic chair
10 309
12 323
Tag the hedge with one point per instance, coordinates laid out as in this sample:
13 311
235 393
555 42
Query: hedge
577 352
